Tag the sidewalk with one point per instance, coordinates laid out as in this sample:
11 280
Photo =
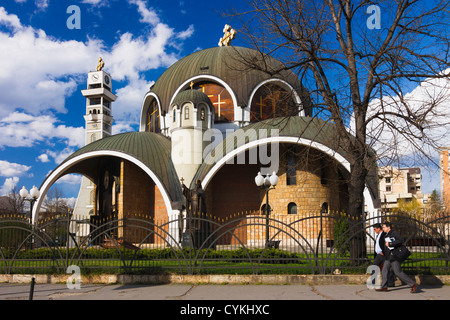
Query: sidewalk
230 292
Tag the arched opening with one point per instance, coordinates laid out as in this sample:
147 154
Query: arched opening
292 208
232 191
136 188
121 190
264 209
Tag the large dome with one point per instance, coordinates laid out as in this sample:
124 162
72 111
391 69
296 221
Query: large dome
230 65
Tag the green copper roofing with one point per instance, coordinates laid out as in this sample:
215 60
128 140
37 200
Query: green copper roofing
152 149
312 129
230 64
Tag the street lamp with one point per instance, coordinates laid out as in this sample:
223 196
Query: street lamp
267 183
34 194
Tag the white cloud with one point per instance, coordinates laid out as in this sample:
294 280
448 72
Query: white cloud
132 55
9 169
24 130
70 179
38 71
392 136
42 4
95 2
124 126
147 15
43 158
8 185
186 33
128 105
60 155
10 20
70 201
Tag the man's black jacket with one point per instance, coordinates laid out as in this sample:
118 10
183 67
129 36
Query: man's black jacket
395 241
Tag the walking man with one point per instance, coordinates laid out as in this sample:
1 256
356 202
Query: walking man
380 258
393 240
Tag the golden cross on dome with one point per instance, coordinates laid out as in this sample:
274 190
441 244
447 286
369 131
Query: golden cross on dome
229 35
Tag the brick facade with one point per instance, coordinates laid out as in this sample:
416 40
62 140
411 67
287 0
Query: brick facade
445 177
139 197
318 179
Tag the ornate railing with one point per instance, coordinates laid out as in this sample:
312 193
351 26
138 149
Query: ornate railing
298 244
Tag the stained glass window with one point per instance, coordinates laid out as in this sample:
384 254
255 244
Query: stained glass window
271 101
152 122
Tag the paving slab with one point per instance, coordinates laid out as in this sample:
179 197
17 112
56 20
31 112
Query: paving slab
185 292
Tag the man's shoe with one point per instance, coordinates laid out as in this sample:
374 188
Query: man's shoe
414 288
381 289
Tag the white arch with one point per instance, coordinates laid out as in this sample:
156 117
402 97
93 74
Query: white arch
276 80
59 172
284 139
144 110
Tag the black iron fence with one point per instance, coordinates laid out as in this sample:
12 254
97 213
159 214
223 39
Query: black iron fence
298 244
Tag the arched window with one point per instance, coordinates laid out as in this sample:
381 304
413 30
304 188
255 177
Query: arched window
202 114
263 209
152 124
291 168
271 101
174 115
186 112
292 208
220 99
324 208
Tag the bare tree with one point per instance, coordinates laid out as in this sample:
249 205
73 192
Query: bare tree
15 203
359 60
55 201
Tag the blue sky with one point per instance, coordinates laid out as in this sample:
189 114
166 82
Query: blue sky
43 68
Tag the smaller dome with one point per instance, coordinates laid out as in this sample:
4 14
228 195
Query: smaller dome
194 96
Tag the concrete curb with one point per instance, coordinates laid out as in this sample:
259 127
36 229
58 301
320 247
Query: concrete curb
215 279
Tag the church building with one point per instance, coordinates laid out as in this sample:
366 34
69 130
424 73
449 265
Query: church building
217 118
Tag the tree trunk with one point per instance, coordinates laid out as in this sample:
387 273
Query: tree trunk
358 174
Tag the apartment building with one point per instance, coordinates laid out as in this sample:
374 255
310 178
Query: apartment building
444 176
399 183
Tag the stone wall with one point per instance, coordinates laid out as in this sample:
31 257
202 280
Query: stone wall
139 197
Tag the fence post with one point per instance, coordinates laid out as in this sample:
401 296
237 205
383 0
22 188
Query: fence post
30 297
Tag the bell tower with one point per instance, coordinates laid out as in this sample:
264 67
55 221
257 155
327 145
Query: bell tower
99 98
98 117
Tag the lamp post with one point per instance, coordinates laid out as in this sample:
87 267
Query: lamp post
34 194
268 183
